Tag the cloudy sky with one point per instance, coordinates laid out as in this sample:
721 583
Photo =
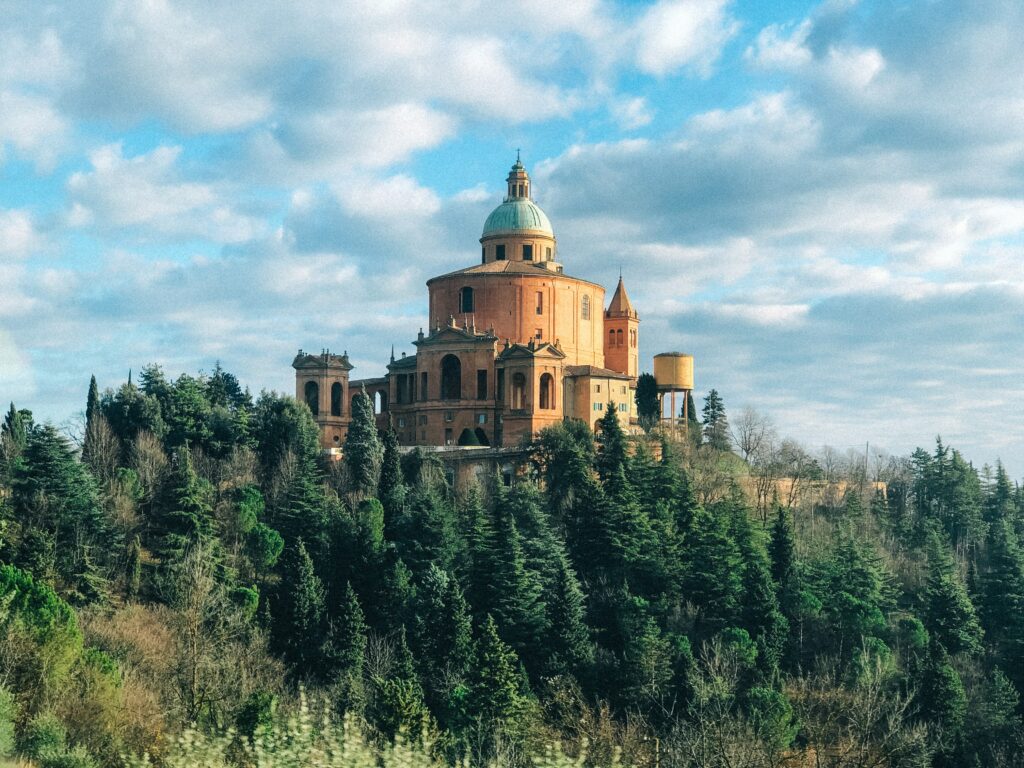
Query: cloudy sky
823 202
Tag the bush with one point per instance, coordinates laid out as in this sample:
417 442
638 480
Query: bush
44 736
8 714
73 758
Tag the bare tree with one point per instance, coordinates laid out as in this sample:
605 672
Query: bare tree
749 431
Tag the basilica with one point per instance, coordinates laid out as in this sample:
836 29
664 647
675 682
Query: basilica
514 344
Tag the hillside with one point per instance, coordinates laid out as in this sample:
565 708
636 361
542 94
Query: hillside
196 564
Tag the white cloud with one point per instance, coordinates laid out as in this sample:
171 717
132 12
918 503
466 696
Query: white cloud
631 113
673 34
16 379
33 127
145 193
18 236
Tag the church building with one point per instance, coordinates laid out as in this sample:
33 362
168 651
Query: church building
515 344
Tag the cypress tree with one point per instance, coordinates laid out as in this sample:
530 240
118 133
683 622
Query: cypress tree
443 634
391 490
363 450
647 401
759 614
782 549
133 569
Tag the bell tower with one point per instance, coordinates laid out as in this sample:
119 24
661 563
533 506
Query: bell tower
622 334
321 382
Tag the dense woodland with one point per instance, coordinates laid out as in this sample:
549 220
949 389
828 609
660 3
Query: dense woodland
186 559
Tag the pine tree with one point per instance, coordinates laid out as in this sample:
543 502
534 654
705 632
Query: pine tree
399 703
712 580
345 648
184 514
514 593
363 450
941 698
443 637
495 694
61 522
300 615
716 425
949 614
570 649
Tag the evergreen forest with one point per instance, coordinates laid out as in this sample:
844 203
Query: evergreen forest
186 580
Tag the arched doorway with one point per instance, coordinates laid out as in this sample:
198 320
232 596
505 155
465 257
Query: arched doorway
380 401
451 378
313 397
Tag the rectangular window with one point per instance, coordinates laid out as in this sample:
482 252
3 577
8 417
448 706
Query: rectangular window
597 388
547 254
412 387
401 421
598 406
483 253
499 253
540 302
423 385
481 385
448 437
481 418
527 252
622 407
501 385
449 415
539 334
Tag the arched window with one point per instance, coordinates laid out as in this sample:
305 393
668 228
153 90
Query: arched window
618 338
336 399
518 391
585 307
547 392
313 397
611 338
380 401
451 378
466 300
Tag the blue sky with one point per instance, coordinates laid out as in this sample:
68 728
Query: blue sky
823 202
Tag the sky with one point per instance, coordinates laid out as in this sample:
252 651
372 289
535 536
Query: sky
822 202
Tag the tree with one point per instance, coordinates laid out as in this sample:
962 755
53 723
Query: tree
750 432
949 614
712 579
363 450
496 696
782 548
391 489
570 649
716 425
648 404
941 698
345 647
183 515
300 613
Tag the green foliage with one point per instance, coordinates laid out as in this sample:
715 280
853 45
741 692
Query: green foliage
949 614
300 613
8 716
363 451
184 514
495 678
648 403
42 737
716 426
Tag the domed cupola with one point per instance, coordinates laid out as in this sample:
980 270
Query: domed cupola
518 230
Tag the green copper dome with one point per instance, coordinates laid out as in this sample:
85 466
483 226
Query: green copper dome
516 215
